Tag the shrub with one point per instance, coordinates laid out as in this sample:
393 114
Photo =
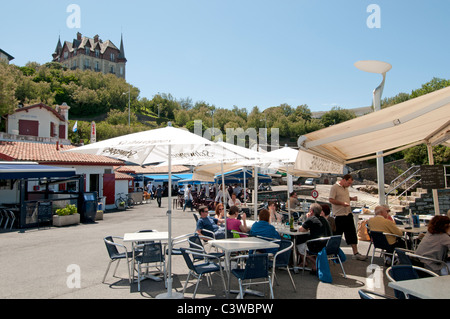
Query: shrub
68 210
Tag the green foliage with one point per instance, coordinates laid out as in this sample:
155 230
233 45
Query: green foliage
418 155
66 211
337 115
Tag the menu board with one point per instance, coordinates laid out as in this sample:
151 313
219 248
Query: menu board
433 176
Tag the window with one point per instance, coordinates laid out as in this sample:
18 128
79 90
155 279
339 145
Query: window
88 50
66 54
97 53
113 57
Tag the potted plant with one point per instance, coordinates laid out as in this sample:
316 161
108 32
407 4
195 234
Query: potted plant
66 216
122 205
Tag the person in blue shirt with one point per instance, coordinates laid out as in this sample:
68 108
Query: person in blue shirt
264 229
211 224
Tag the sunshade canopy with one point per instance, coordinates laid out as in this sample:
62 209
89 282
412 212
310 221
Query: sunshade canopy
425 119
237 176
33 170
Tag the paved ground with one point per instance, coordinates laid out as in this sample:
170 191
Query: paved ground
37 263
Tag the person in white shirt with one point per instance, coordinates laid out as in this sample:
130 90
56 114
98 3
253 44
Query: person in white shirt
234 201
219 197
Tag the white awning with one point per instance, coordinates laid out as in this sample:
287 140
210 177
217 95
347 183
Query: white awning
423 120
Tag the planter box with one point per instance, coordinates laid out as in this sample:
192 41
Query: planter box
60 221
99 215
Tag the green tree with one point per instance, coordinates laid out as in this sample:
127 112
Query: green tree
8 86
337 115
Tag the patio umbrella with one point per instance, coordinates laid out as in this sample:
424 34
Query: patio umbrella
160 145
244 157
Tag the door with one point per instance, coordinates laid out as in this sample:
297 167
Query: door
30 128
109 188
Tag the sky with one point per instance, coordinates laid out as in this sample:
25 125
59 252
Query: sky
248 53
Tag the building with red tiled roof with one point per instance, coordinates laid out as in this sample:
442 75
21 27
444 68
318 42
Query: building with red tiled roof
51 154
38 122
98 170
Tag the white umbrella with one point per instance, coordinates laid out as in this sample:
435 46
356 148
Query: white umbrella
286 159
154 146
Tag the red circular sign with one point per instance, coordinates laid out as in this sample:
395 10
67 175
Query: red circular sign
315 194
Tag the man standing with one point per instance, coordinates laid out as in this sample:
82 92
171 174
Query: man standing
159 193
345 224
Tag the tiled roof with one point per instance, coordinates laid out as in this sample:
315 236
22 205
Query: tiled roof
47 153
122 176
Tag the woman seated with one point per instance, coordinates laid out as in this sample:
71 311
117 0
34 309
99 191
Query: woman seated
436 243
235 224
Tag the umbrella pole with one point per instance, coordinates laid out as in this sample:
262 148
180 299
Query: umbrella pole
224 200
170 294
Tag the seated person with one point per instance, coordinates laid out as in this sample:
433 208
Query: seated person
436 243
220 211
293 200
382 223
317 227
235 224
234 201
264 229
274 216
210 224
330 219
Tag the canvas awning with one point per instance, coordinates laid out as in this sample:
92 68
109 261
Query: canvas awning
33 170
423 120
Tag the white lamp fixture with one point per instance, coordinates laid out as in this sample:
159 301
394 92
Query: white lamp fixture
382 68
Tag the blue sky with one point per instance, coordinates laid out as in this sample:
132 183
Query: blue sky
248 53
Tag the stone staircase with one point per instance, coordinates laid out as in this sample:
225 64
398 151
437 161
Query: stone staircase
401 205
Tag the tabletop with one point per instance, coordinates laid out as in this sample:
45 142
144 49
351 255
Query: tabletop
147 236
425 288
242 244
421 229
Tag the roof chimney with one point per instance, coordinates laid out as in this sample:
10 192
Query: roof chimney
79 36
96 38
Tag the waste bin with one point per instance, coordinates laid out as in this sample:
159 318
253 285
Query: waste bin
89 205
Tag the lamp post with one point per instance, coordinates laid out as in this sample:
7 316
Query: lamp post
382 68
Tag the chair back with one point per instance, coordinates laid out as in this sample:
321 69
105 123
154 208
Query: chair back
257 266
187 259
379 240
403 272
402 257
284 253
195 243
110 247
333 245
316 245
196 217
367 294
151 253
400 273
